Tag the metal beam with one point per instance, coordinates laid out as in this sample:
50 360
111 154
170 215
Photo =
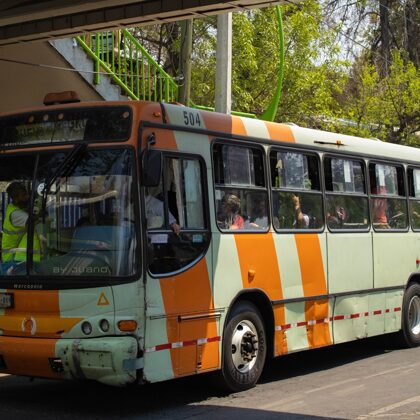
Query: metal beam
21 20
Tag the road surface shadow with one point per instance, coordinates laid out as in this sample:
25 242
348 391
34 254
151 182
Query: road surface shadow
181 398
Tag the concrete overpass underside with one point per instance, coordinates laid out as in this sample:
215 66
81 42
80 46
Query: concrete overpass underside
24 20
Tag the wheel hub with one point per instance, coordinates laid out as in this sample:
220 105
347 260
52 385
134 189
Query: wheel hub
244 346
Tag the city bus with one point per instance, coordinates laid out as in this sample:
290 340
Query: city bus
158 241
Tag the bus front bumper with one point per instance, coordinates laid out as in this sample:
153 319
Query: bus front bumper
110 360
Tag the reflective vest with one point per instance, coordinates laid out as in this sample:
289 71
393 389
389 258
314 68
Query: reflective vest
14 240
12 235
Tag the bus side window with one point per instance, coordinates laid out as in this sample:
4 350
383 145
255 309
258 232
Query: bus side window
388 199
347 202
296 192
240 190
414 188
176 216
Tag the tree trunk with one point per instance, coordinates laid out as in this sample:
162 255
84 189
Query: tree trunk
385 37
412 31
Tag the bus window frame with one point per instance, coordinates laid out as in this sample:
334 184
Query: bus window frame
59 282
395 163
252 145
304 151
411 198
71 142
347 156
206 213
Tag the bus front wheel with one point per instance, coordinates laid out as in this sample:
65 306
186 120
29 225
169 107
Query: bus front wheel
244 347
411 315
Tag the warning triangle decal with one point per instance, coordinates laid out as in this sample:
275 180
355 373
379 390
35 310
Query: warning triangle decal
103 301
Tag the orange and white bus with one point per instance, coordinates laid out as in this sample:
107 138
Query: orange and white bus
158 241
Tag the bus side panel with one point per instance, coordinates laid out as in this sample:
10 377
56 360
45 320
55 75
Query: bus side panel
312 253
157 362
291 339
182 332
350 266
367 315
297 337
376 316
395 257
393 305
350 322
259 266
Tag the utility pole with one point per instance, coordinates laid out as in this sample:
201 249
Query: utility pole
185 61
223 100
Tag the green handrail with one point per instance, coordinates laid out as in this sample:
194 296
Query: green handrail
271 111
129 65
132 68
135 71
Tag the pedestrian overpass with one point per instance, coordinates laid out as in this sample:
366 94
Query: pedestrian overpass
34 60
23 20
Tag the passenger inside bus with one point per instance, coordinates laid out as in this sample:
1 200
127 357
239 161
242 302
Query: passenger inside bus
259 218
290 213
155 212
336 217
379 208
301 219
229 217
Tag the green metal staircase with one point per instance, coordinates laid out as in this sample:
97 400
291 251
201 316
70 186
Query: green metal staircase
129 65
121 57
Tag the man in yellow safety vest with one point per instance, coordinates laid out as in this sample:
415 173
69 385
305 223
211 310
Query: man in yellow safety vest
15 238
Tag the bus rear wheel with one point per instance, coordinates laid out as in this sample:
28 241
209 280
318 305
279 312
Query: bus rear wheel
244 347
411 315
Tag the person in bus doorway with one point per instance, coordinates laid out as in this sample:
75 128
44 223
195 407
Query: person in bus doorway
231 219
15 238
155 214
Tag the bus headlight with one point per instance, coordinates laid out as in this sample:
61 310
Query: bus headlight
87 328
104 325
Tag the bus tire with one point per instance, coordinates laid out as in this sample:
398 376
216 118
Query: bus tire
411 316
244 347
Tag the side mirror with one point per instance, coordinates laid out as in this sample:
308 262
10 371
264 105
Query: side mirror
151 167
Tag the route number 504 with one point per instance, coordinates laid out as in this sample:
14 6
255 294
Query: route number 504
192 119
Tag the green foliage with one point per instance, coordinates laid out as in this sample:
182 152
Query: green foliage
387 108
321 89
314 73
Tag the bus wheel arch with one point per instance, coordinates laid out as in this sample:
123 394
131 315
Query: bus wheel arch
263 304
246 340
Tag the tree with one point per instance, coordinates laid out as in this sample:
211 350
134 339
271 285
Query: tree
351 67
384 107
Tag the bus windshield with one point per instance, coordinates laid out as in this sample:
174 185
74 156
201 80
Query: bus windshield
83 224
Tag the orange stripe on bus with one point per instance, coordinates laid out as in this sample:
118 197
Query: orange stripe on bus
313 283
216 122
280 132
257 256
28 357
238 127
190 293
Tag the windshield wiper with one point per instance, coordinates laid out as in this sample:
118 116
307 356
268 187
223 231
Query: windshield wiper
66 167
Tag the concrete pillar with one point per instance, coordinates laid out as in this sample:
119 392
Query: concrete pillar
223 100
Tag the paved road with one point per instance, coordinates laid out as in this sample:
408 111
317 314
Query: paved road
370 379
